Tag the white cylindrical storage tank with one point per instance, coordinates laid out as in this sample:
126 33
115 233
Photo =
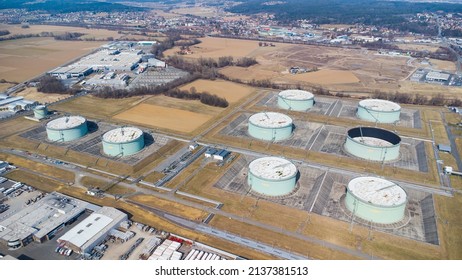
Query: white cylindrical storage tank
295 99
66 128
123 141
270 126
378 110
373 143
376 200
40 112
272 176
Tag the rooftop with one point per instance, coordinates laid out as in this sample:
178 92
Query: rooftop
273 168
379 105
377 191
296 94
122 135
66 122
270 120
41 217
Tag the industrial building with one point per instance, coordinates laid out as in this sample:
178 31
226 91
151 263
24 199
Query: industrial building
66 128
110 79
71 71
294 99
373 143
380 111
376 200
438 77
270 126
272 176
111 60
41 220
16 103
123 141
93 230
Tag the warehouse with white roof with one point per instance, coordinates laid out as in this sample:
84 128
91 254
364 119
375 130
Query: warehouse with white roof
93 230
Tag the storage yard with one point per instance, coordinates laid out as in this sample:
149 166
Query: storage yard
323 192
330 139
93 144
345 108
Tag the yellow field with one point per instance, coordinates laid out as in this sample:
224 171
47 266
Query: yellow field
443 64
230 91
326 77
417 47
216 47
98 108
24 59
156 116
5 86
98 34
32 94
197 11
188 105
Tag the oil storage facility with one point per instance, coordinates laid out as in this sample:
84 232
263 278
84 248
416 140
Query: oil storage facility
66 128
296 100
373 143
377 110
376 200
40 112
270 126
272 176
123 141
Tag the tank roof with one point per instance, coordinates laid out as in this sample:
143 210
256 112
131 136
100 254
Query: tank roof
377 191
270 120
40 107
122 135
273 168
296 94
371 141
379 105
66 122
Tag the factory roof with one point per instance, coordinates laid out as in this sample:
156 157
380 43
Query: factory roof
93 227
122 135
296 94
66 122
273 168
270 120
377 191
437 76
10 100
379 105
41 217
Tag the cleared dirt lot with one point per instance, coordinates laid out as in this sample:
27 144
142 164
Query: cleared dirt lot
216 47
156 116
230 91
24 59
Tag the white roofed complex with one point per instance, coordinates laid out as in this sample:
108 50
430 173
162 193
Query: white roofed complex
377 191
84 236
273 168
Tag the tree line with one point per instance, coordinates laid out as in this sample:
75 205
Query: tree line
50 84
204 97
